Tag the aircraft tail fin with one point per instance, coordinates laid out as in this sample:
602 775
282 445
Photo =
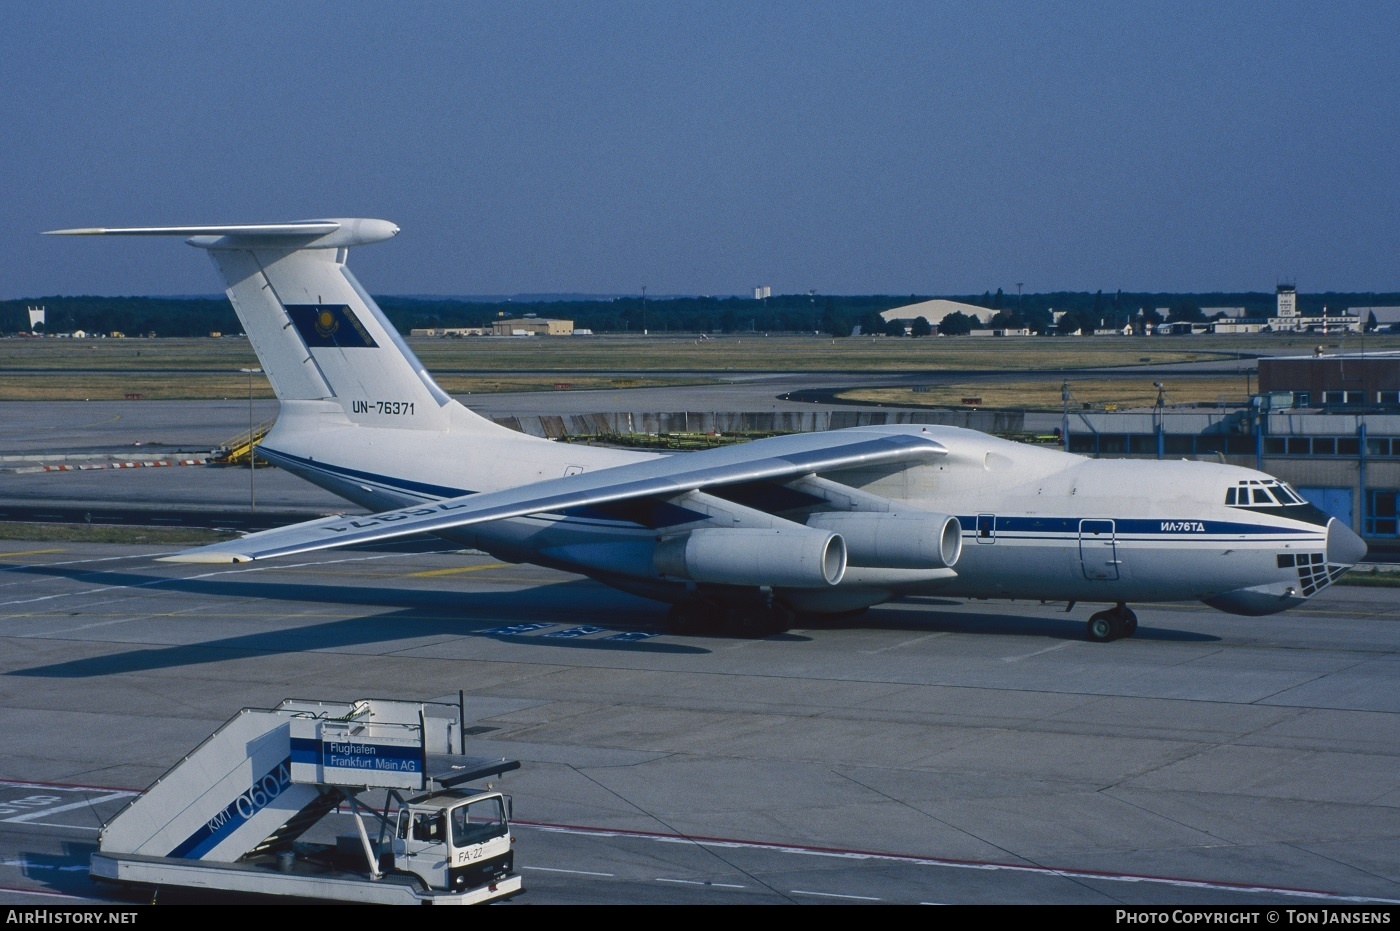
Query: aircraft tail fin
318 333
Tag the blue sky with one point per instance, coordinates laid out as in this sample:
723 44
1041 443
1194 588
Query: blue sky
707 147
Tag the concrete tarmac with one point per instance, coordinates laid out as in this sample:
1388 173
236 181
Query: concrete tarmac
929 751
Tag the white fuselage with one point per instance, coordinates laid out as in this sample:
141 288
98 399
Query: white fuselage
1037 523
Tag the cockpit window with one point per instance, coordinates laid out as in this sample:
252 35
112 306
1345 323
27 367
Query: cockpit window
1262 493
478 821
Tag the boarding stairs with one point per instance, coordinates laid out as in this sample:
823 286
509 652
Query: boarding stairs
237 450
266 776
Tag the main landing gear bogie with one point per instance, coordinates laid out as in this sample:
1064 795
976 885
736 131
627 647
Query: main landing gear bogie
1117 622
700 616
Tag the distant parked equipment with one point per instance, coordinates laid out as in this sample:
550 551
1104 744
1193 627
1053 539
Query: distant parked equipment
237 450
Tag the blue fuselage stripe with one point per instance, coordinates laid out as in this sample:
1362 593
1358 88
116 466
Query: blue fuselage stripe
1131 527
422 489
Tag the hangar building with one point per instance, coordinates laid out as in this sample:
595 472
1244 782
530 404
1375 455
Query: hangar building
934 312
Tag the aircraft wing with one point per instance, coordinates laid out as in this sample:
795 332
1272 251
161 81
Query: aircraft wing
665 476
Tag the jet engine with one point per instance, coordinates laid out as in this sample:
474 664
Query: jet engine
782 557
910 540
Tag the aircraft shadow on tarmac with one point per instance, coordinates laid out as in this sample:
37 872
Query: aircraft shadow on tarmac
423 614
1037 621
521 617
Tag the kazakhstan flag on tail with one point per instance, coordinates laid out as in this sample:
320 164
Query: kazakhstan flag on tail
322 325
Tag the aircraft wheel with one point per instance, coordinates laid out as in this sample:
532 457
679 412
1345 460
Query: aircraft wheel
1127 621
784 618
1101 628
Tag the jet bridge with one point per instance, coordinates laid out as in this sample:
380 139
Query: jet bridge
246 795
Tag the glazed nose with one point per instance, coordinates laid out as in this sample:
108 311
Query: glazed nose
1344 548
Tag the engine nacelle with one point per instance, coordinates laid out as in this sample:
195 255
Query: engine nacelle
910 540
795 557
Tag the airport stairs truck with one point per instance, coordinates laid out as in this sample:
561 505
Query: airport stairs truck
235 813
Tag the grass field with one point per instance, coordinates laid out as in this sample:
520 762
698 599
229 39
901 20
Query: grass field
100 533
1046 395
60 369
183 386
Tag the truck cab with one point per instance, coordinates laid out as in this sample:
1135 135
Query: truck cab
455 840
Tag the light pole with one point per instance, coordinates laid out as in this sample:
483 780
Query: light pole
252 449
1064 416
1160 427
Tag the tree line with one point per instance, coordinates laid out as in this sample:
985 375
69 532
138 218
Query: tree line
835 315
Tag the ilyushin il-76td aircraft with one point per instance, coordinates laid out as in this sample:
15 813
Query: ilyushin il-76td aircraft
743 539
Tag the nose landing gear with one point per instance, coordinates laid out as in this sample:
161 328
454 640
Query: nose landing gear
1118 621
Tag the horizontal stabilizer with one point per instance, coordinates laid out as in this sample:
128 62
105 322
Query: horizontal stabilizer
777 457
300 228
298 234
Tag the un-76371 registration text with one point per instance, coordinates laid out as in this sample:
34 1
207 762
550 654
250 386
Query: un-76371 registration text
391 408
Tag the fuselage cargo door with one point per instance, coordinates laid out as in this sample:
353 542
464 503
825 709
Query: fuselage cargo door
1098 551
